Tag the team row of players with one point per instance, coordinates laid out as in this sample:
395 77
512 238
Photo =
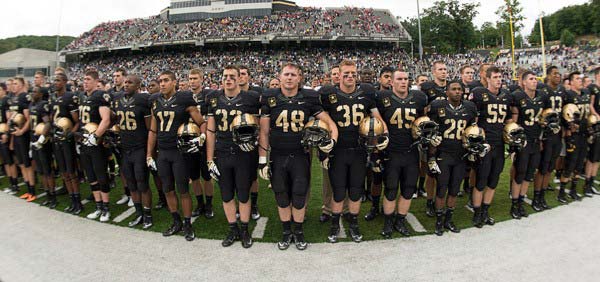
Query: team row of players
230 134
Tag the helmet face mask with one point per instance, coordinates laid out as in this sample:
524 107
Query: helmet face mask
514 135
316 132
424 130
474 139
185 134
62 127
571 113
244 129
550 119
17 122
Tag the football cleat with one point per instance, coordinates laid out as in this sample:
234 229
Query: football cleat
573 194
31 198
232 236
173 229
562 197
536 204
439 223
188 232
301 243
198 211
324 217
286 240
429 209
246 239
334 232
522 210
77 209
147 222
52 205
136 221
372 214
388 228
400 226
105 216
94 214
124 199
448 223
208 212
477 218
355 233
254 213
25 196
587 192
514 211
159 206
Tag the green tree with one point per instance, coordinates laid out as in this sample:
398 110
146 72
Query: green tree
567 38
511 8
35 42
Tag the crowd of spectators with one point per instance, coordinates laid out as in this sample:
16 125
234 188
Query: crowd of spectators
306 21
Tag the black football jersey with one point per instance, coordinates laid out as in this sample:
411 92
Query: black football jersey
200 99
582 101
63 105
131 112
555 98
37 111
452 123
494 110
170 114
347 110
89 107
529 112
288 115
399 115
3 108
467 90
475 83
433 91
19 103
595 92
225 109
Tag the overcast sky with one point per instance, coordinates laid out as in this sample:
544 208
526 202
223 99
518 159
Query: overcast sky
38 17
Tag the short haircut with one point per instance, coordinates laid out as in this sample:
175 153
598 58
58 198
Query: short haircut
526 73
438 62
61 76
575 73
232 67
463 68
550 69
153 81
422 75
3 86
93 74
168 73
122 71
195 72
596 71
59 69
40 73
334 67
346 62
20 79
455 82
492 69
484 65
244 67
293 65
102 81
386 69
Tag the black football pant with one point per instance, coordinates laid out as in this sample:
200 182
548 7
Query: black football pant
173 171
237 170
95 164
491 166
135 170
452 168
290 178
347 171
401 169
526 162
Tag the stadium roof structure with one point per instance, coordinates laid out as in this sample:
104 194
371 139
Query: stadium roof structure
25 61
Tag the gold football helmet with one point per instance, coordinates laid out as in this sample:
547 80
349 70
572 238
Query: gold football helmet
424 127
593 124
370 130
514 134
244 129
185 133
549 117
17 121
116 129
62 127
571 113
473 135
315 133
90 128
39 129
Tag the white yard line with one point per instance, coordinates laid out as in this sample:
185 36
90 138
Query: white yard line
469 208
124 215
414 223
342 230
259 230
44 194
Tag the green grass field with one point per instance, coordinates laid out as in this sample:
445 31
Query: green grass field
216 228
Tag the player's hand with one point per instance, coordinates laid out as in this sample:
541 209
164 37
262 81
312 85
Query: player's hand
383 142
376 163
486 149
327 146
200 139
433 166
590 139
151 163
213 170
555 129
324 159
570 144
264 170
90 140
247 147
436 141
18 132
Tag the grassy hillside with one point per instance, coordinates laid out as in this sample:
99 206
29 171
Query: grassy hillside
34 42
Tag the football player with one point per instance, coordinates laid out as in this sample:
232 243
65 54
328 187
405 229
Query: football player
19 122
154 91
446 160
591 168
231 159
119 76
399 108
65 121
552 137
94 110
169 112
466 78
575 137
347 105
244 81
493 106
133 119
39 111
284 112
528 103
7 154
197 161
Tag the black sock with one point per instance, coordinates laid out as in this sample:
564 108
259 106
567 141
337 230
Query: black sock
574 183
421 182
99 205
353 218
298 227
430 201
14 181
376 201
466 184
30 189
558 173
485 207
176 217
521 198
244 226
105 206
200 199
147 211
187 220
287 226
127 192
254 198
233 226
335 219
138 208
400 216
537 194
208 200
563 185
515 201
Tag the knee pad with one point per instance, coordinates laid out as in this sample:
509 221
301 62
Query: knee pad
282 199
243 197
354 194
142 186
441 192
408 192
104 188
183 188
391 193
94 187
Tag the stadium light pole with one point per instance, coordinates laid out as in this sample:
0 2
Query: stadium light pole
58 32
419 24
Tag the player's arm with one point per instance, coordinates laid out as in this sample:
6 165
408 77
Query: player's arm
26 125
514 113
210 138
195 114
151 136
324 116
105 122
263 139
592 101
375 113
